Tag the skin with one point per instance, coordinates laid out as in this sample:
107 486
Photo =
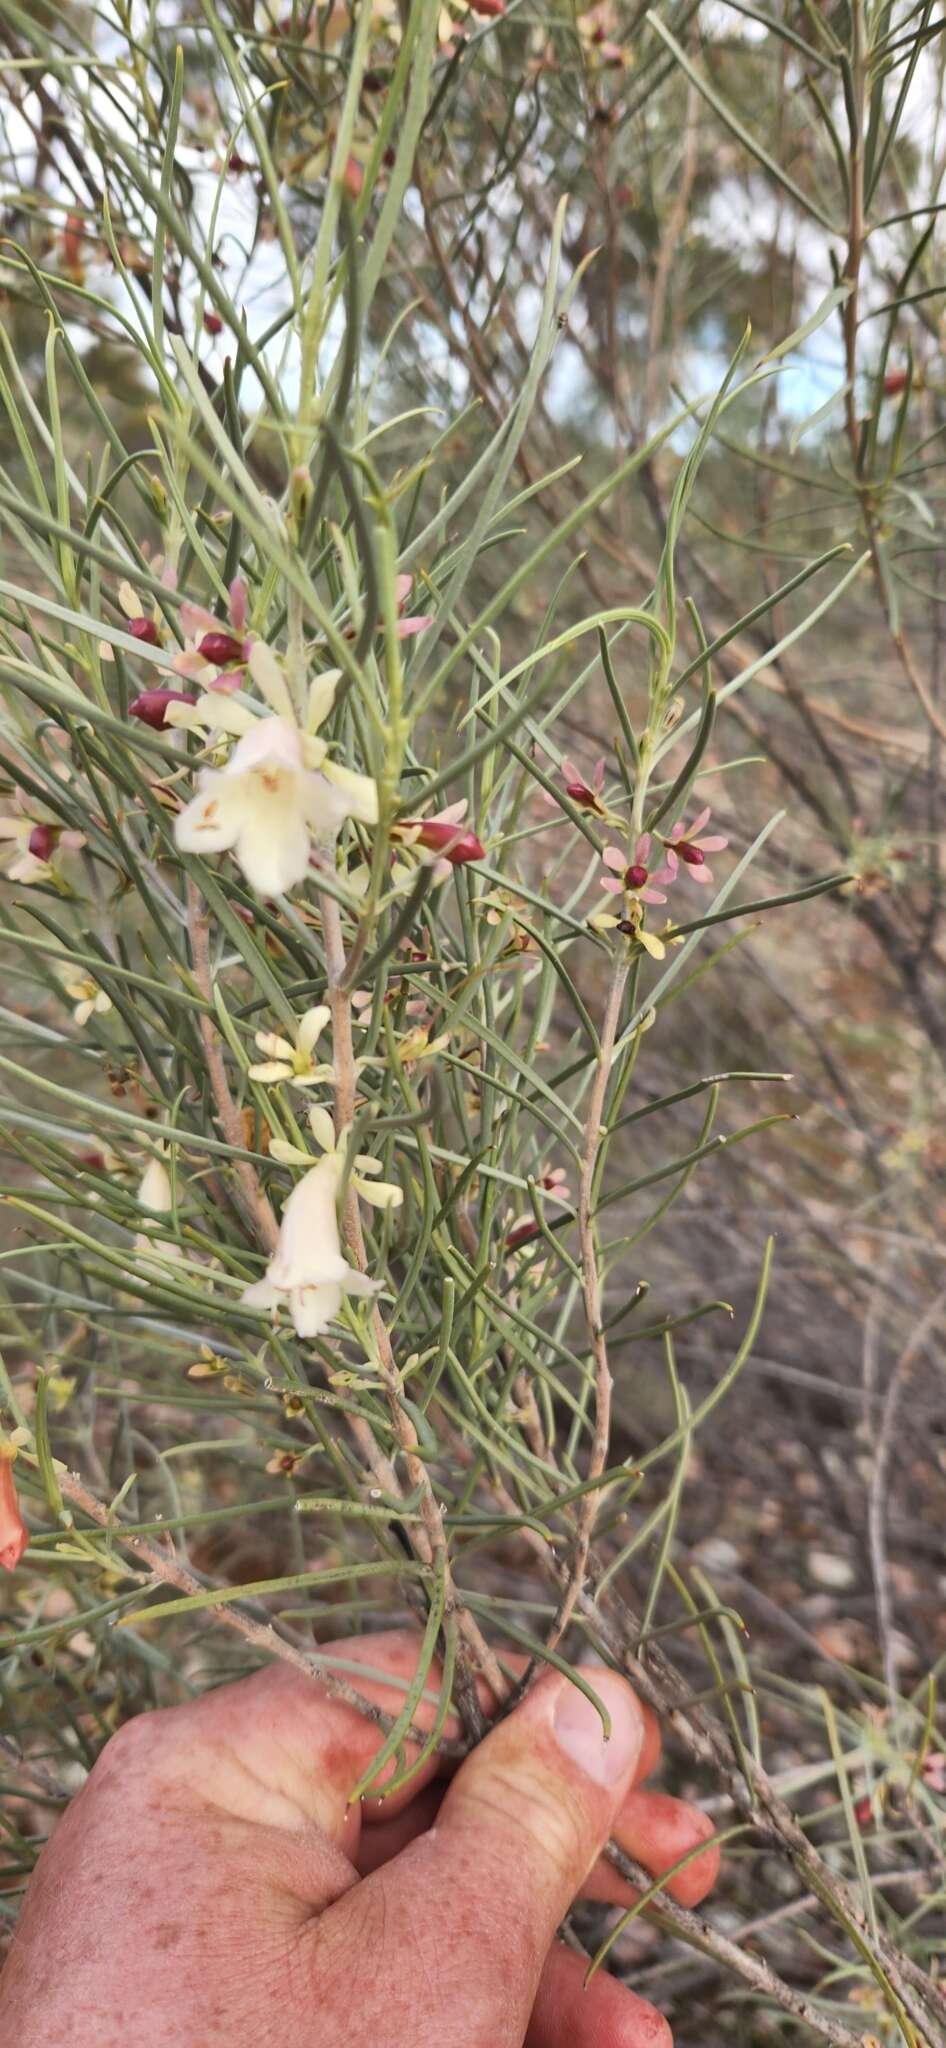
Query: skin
211 1886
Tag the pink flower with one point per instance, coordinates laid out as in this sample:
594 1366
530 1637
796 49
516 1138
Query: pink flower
406 628
213 656
13 1531
151 706
683 844
587 795
444 835
636 878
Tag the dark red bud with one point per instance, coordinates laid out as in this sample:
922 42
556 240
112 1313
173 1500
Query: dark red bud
693 855
581 794
144 629
863 1812
235 162
213 323
389 158
222 648
895 381
454 845
635 876
492 8
42 841
523 1235
151 706
95 1161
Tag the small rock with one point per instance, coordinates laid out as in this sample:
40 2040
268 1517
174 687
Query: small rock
717 1554
829 1570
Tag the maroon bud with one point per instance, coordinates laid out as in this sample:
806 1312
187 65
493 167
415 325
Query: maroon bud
581 794
523 1235
894 382
636 876
452 844
863 1812
222 648
389 158
372 81
42 841
213 323
94 1160
144 629
693 855
236 162
492 8
151 706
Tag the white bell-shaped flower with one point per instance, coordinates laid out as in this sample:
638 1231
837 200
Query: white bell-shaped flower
308 1272
266 806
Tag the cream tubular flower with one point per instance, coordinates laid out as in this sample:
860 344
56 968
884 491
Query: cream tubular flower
154 1193
278 791
308 1272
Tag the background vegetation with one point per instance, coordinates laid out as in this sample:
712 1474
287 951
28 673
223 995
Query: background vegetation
619 333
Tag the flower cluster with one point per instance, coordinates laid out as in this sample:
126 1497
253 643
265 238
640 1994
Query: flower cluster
278 792
638 882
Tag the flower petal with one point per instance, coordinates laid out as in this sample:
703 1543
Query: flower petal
210 823
379 1194
313 1308
262 1295
270 681
615 857
269 1071
321 698
322 1127
275 1047
360 792
311 1025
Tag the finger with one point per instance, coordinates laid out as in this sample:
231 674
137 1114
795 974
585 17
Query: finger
396 1651
603 2014
386 1838
517 1832
278 1750
656 1831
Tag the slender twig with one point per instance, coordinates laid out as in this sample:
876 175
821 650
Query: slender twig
729 1955
430 1540
163 1565
591 1292
256 1205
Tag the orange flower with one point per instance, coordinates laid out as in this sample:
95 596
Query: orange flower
13 1533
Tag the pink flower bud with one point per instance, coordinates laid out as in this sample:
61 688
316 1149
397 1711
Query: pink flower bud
523 1234
13 1532
42 842
143 629
152 705
445 839
221 648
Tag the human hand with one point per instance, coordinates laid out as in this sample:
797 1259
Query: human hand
210 1886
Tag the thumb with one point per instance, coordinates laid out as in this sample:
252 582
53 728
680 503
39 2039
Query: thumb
519 1828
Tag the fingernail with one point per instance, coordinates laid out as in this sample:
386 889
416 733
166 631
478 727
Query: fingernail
578 1729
